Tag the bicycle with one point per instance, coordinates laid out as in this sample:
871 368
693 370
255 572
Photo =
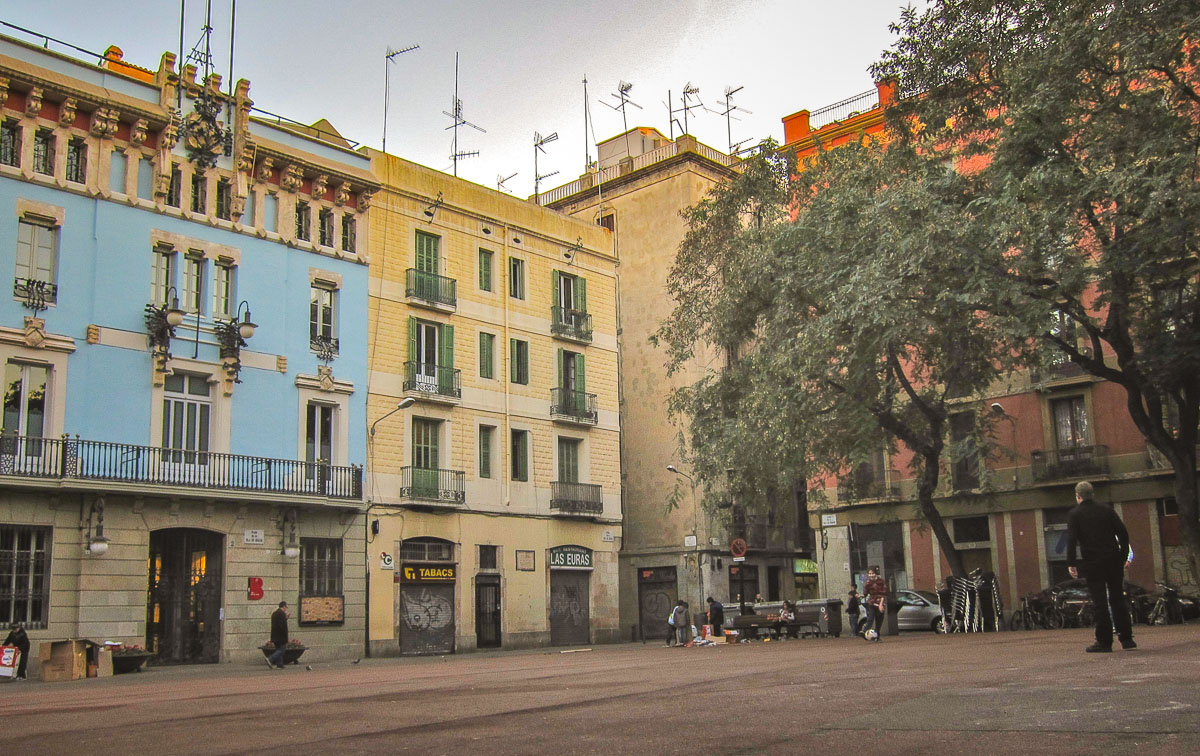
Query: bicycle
1031 615
1167 610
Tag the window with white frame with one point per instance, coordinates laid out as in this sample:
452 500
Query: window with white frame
320 567
77 160
193 282
224 288
318 434
25 389
322 317
187 409
118 170
163 274
43 152
25 575
516 278
37 257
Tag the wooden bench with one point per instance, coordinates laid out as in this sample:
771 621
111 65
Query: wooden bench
750 624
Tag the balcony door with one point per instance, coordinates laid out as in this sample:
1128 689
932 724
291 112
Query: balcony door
187 406
427 356
25 414
425 458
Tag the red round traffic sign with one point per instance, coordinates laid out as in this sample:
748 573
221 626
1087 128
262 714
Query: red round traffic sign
737 547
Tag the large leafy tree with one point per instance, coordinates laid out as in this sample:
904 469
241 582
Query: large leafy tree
1083 118
845 297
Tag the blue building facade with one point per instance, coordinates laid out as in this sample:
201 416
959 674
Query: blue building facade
185 356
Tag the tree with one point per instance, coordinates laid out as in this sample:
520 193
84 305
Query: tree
845 297
1079 124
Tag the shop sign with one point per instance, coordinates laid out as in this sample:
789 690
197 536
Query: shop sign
828 520
575 557
427 573
386 562
805 567
254 588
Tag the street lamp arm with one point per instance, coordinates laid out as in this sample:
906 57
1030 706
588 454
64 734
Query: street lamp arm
405 403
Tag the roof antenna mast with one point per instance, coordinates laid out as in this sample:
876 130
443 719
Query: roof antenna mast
538 141
622 95
387 59
727 103
457 116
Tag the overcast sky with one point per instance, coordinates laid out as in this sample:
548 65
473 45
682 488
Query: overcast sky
521 66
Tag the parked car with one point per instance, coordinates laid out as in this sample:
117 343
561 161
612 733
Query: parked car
919 610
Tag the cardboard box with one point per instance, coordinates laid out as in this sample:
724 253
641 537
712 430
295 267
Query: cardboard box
73 659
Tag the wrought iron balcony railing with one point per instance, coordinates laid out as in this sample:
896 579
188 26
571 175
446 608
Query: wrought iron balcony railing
433 484
77 459
325 347
433 379
849 491
576 498
1073 462
36 294
431 287
571 324
573 406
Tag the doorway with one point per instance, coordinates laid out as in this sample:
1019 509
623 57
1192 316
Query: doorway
487 611
183 604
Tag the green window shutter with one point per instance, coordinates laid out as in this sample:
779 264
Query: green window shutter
512 361
485 452
558 363
427 253
412 339
580 384
485 270
581 294
523 454
486 340
555 284
445 369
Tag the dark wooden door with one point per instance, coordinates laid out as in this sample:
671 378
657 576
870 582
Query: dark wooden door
487 611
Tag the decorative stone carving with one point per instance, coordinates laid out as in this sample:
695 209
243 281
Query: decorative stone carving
281 363
138 132
93 333
320 186
202 132
66 112
104 122
292 179
245 161
265 169
169 137
35 332
33 102
3 91
364 200
325 377
342 194
237 205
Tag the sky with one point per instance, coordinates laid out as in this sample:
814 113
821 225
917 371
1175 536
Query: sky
521 66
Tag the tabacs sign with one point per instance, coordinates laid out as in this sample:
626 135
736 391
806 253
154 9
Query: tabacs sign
427 573
571 557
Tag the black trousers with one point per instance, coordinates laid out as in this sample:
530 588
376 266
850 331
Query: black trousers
1106 583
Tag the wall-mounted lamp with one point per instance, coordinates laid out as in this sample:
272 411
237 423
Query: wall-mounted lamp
569 255
431 211
161 320
404 403
290 548
97 544
231 335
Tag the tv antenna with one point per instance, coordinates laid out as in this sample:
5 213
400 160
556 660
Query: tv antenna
689 92
727 103
387 69
203 58
538 142
622 95
500 182
457 115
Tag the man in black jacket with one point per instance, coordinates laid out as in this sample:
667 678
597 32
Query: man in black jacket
716 615
279 635
1099 533
17 637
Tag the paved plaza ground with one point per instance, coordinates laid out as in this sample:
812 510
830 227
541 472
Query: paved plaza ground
1003 693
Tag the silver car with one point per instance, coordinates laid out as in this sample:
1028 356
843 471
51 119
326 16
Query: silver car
919 610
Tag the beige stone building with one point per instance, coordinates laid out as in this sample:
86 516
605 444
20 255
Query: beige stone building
675 551
493 486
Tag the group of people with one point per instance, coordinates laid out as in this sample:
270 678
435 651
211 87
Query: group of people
680 620
866 612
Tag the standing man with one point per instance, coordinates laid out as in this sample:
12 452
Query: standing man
875 591
17 637
716 616
279 635
852 606
681 622
1104 541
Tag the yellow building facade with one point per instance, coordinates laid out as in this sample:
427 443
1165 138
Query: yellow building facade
493 480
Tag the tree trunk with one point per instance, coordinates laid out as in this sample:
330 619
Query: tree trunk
926 485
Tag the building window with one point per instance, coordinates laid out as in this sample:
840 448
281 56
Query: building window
487 557
427 253
25 389
570 293
145 179
520 455
270 212
118 170
25 575
77 161
608 221
485 270
325 227
174 187
224 292
193 283
1054 522
425 452
164 274
1070 422
516 278
318 435
199 193
10 143
485 450
185 418
224 199
43 152
303 221
426 550
320 567
965 456
519 361
972 529
571 376
568 460
349 238
37 257
487 355
322 317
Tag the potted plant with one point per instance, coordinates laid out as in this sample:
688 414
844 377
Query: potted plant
129 658
291 652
